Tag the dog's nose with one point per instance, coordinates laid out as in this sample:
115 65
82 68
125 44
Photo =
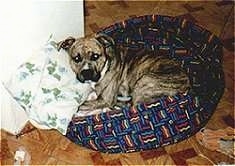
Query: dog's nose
87 74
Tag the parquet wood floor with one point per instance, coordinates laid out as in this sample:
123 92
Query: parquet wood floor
50 147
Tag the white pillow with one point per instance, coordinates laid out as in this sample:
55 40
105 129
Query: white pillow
47 88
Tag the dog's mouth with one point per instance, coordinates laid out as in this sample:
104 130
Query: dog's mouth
88 75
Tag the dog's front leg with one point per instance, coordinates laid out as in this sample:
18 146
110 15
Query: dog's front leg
123 95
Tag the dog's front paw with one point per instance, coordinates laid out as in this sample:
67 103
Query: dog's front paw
87 106
84 108
92 105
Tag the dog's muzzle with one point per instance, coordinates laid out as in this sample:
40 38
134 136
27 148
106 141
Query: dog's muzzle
88 74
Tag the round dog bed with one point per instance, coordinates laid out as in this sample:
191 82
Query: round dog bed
169 119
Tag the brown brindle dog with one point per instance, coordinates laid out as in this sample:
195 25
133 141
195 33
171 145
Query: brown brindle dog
121 75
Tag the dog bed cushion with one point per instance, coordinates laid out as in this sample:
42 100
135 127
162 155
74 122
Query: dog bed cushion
169 119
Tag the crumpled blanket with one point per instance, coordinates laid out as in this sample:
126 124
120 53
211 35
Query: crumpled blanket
47 88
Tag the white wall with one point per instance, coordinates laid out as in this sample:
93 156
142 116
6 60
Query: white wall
26 25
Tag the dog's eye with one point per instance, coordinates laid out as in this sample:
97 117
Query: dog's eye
95 56
77 59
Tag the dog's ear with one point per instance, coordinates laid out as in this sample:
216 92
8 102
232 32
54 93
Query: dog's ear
104 39
66 44
108 44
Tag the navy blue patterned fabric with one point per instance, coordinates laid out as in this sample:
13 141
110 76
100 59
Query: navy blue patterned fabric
169 119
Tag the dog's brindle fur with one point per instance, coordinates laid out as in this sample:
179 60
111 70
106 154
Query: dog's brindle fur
141 74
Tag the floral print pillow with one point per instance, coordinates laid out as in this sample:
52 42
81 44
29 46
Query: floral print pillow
47 89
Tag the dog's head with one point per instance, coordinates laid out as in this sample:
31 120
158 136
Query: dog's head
89 56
